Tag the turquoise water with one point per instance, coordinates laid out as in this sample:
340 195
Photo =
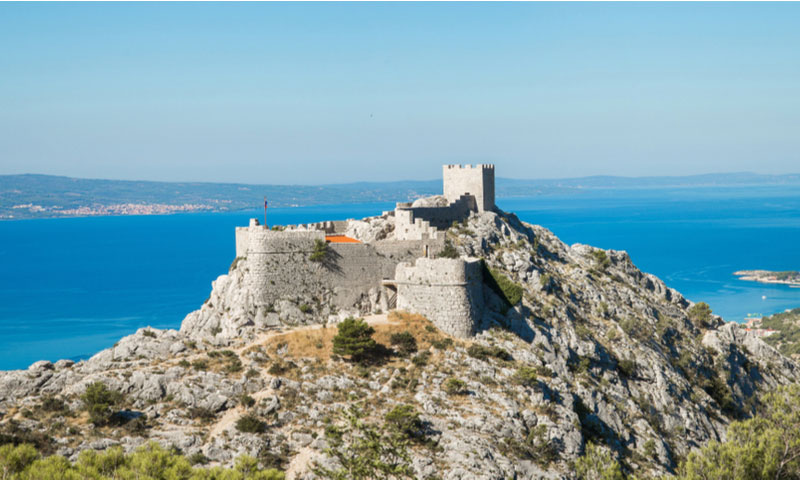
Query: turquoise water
71 287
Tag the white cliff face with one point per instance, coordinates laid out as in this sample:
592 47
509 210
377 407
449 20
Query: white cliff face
227 312
618 358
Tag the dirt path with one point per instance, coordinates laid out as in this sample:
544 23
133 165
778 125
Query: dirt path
299 463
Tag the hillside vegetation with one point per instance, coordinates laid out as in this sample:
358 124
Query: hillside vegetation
787 336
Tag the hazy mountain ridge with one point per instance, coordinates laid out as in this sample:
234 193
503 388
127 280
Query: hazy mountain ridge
42 196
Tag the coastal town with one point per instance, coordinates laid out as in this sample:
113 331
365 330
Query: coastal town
114 209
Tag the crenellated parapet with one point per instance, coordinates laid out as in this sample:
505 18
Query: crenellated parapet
257 239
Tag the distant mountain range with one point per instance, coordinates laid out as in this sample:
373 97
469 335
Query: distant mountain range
40 196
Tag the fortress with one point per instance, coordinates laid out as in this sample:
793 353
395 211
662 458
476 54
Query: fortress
363 276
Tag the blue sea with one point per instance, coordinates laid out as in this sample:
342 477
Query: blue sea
71 287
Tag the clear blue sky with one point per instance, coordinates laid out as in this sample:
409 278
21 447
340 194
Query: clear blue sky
320 93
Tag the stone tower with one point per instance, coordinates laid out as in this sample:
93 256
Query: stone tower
477 181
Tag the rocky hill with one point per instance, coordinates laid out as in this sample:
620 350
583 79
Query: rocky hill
787 332
579 348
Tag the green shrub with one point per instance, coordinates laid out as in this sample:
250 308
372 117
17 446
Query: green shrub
421 359
612 334
15 460
197 458
320 251
234 365
650 449
700 314
536 447
280 368
354 339
54 404
363 450
201 413
306 308
482 352
250 424
502 286
405 420
442 344
247 400
762 447
601 258
150 461
200 364
597 464
454 386
100 402
581 366
149 333
404 342
583 331
626 367
526 376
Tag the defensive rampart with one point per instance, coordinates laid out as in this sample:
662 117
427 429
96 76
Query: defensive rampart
449 292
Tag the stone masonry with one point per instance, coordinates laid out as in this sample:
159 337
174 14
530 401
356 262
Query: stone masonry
448 291
477 181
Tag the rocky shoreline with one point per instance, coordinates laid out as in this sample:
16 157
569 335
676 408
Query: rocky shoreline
788 277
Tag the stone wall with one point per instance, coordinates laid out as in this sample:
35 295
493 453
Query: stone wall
329 226
278 267
477 181
403 250
422 223
449 292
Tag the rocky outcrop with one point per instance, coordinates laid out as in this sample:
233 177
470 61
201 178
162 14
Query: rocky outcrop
595 350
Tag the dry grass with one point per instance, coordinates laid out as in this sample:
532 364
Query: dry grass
306 343
318 342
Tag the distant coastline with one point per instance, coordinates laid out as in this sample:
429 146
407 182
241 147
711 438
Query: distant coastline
786 277
47 196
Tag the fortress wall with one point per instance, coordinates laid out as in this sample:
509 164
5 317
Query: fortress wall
270 241
279 267
278 264
477 181
272 277
355 271
446 291
242 240
443 217
420 223
402 250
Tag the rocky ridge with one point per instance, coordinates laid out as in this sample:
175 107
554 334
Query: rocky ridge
610 355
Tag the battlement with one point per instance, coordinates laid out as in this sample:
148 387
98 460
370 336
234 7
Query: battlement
478 166
257 239
477 181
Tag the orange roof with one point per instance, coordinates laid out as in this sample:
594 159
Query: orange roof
340 239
